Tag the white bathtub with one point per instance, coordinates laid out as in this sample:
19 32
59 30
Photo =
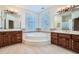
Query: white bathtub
37 38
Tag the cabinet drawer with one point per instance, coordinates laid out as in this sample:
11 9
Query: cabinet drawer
75 37
19 40
75 46
54 34
54 41
54 37
64 36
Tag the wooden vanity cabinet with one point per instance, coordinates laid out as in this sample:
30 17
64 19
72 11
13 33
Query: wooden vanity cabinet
54 38
1 39
10 37
5 38
69 41
75 43
18 36
64 40
15 37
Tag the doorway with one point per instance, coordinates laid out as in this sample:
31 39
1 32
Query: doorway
76 24
11 24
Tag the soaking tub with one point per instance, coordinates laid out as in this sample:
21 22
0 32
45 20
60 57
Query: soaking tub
37 38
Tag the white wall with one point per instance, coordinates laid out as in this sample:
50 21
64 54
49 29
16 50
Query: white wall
75 14
52 14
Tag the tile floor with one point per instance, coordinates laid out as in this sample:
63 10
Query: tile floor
22 48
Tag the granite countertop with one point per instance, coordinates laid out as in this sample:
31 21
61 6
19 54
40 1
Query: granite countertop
1 30
66 31
57 31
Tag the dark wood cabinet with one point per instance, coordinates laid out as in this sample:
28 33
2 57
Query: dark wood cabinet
75 43
1 39
19 36
68 41
61 42
65 40
54 38
10 37
5 38
76 24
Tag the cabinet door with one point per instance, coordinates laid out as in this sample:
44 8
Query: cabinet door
54 38
75 43
61 42
70 43
1 39
9 37
67 43
6 38
75 46
13 37
18 36
65 40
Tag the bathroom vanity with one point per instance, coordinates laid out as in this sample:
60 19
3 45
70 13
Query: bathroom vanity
9 37
66 39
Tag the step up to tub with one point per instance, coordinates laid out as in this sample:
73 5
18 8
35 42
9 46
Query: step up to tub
36 38
37 41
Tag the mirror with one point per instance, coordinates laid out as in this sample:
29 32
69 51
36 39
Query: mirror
7 17
76 24
65 22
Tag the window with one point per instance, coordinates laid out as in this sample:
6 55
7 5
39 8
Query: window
44 21
41 22
30 22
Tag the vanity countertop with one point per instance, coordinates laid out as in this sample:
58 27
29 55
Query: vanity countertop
2 30
57 31
66 31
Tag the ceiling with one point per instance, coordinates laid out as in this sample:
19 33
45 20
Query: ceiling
39 8
35 8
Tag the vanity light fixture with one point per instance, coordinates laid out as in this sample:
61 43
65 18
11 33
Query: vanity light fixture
11 12
67 8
